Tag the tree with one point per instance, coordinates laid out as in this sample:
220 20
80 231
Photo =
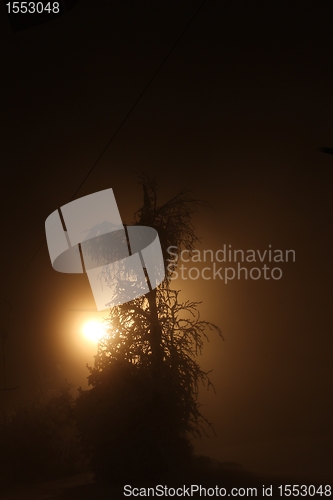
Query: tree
143 402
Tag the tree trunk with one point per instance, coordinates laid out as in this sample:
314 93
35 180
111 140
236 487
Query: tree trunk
155 335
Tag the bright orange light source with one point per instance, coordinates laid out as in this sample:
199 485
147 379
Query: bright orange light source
94 331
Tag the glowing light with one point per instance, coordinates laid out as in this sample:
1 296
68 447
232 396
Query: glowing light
94 331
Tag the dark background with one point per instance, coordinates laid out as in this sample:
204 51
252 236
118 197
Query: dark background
237 114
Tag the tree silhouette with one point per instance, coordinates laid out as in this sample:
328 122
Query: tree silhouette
137 419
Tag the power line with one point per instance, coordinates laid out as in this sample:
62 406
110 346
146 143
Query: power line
119 127
139 98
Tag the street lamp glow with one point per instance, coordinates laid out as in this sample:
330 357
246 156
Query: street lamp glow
94 331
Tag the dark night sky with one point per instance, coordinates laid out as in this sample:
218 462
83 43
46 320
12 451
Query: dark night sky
237 114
